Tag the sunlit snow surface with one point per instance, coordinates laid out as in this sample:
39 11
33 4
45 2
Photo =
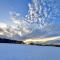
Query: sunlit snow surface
27 52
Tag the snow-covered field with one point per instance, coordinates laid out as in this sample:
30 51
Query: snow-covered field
28 52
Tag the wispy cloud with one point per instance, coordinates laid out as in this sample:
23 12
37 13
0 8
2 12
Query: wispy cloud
41 40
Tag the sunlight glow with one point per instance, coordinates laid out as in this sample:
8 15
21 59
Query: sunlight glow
41 40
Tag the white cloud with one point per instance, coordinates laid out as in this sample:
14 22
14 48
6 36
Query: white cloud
19 27
1 33
3 25
37 18
41 40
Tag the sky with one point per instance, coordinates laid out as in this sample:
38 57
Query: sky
24 19
20 6
29 18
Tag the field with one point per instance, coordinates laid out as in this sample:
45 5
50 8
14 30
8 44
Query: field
28 52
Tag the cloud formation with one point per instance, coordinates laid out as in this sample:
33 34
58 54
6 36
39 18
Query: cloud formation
39 17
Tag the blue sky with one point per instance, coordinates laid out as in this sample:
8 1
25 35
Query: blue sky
20 6
23 8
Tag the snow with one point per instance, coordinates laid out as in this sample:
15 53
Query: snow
28 52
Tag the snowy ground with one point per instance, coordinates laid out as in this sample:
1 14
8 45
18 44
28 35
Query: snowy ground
27 52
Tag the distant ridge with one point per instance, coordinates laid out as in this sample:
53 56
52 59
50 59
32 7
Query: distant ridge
3 40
